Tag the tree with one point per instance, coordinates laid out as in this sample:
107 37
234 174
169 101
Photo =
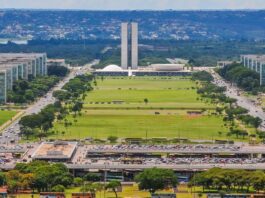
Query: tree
89 187
13 179
27 131
61 95
58 188
156 179
78 181
146 101
59 71
258 180
92 177
2 178
112 139
113 185
202 76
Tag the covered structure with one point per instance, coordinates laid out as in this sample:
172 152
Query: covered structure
55 151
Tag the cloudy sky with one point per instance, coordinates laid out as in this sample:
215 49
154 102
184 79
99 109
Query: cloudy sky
134 4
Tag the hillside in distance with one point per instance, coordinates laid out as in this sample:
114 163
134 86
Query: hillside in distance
178 25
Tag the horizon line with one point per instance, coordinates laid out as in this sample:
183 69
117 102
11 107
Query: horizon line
123 10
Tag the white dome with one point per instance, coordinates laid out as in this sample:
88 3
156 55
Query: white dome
112 68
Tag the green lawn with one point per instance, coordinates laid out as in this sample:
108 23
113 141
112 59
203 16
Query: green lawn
6 115
132 123
171 93
165 114
153 83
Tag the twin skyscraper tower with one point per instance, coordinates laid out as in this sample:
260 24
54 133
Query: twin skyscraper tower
129 45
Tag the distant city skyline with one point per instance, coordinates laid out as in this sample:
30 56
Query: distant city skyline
133 4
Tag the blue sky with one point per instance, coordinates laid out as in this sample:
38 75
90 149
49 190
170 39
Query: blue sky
134 4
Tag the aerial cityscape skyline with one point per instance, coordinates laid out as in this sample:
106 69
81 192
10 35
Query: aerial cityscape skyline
132 98
134 4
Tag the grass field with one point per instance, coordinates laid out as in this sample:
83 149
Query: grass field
173 93
165 114
6 115
133 123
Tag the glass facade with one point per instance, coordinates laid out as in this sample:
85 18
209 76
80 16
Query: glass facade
2 87
15 73
20 71
25 71
9 79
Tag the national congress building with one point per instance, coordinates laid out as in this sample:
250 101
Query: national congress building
129 45
14 66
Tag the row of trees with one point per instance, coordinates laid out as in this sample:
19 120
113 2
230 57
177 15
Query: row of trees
37 125
229 180
37 175
242 77
68 100
227 105
202 76
59 71
25 91
43 176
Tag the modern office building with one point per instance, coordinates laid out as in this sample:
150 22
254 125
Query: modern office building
129 45
124 46
256 63
134 45
14 66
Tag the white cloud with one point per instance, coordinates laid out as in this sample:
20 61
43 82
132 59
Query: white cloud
134 4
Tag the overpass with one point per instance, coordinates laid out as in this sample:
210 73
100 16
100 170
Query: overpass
175 167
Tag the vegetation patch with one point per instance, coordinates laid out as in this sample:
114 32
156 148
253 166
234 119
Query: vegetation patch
6 115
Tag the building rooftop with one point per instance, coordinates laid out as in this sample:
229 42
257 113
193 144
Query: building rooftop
55 150
112 68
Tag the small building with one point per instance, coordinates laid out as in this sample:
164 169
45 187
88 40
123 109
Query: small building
117 101
83 195
3 192
194 113
52 195
217 195
56 63
222 64
134 140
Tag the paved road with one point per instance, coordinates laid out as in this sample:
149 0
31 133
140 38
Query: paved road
136 167
257 150
188 167
11 133
234 92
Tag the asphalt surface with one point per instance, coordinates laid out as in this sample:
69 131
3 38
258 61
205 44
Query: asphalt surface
243 101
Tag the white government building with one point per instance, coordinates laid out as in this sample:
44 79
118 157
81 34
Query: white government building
129 58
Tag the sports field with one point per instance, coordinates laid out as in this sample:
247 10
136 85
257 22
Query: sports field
116 107
6 115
